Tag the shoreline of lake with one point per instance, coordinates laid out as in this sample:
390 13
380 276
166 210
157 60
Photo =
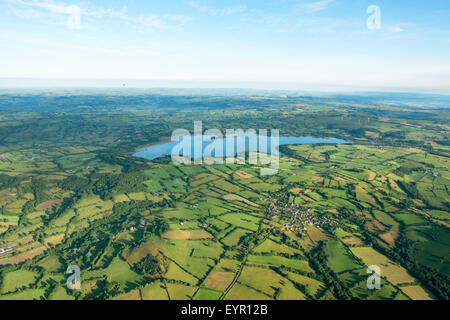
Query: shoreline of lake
149 145
164 147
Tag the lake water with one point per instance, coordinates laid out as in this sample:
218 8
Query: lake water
165 149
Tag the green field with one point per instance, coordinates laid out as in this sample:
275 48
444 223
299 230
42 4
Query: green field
72 193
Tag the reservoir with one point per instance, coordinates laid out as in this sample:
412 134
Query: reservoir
165 149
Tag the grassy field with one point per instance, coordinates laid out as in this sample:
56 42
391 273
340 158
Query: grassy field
14 281
393 272
153 230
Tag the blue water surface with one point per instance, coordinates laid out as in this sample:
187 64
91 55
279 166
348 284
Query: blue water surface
165 149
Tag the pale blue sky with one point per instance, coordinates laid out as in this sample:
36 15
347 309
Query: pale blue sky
317 42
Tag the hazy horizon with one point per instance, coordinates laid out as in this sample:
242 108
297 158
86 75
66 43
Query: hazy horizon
314 44
27 83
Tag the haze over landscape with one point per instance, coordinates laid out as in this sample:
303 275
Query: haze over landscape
322 44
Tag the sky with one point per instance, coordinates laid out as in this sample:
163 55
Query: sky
395 45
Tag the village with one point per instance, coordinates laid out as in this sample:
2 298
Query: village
299 217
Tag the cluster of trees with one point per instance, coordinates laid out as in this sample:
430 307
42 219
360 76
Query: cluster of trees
87 246
128 163
152 265
106 185
37 187
403 252
7 181
134 207
328 154
292 154
105 290
319 261
402 171
77 184
409 188
66 204
157 226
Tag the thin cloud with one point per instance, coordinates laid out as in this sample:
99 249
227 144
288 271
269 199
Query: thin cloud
62 13
60 8
69 15
396 29
317 6
149 22
177 18
217 11
22 39
27 14
51 12
99 13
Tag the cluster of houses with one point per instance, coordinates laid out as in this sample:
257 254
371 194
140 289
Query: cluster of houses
434 174
299 218
6 250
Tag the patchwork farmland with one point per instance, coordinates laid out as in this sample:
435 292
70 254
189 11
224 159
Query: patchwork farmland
225 232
